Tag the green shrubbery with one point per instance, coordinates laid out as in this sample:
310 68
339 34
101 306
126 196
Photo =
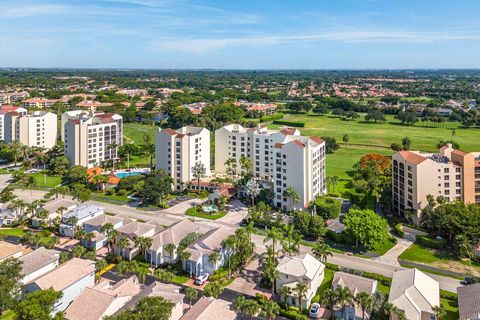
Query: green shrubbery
292 313
431 243
328 207
276 116
289 123
398 230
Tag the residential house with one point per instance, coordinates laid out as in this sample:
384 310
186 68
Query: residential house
208 308
53 208
173 234
37 263
131 231
10 250
172 294
8 215
199 261
415 294
76 217
355 284
71 278
104 299
95 226
304 269
469 302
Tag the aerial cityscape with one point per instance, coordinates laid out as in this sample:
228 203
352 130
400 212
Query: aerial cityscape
166 160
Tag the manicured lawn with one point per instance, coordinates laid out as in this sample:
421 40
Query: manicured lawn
326 283
133 132
44 180
417 253
9 315
18 232
111 197
383 248
451 307
180 279
192 212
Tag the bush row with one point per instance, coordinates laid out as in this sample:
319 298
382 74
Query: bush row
276 116
292 314
289 123
431 243
398 230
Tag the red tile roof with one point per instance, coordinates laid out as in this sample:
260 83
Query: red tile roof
170 131
412 157
288 131
317 139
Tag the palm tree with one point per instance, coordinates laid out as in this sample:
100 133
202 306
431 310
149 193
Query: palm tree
365 301
148 148
291 194
321 251
130 149
245 164
110 234
440 313
344 296
214 257
292 238
334 181
301 290
284 292
143 244
164 275
198 172
231 165
28 182
389 309
239 305
252 189
270 272
15 147
229 246
101 264
123 244
329 298
191 294
270 309
170 249
251 307
275 235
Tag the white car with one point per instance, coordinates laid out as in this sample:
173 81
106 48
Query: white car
201 279
314 311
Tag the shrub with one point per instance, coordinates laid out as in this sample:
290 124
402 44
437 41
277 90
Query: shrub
398 230
276 116
382 279
109 192
122 192
291 314
332 266
328 207
289 123
335 237
431 243
448 295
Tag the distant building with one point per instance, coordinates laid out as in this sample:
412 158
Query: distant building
53 208
38 129
3 111
284 158
38 103
415 294
453 174
71 278
177 151
91 139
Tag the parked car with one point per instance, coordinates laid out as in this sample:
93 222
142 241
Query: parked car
201 279
471 280
314 311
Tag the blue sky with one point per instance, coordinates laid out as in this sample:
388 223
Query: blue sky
244 34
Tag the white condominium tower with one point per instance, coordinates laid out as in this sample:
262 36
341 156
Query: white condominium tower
283 157
91 139
177 151
38 129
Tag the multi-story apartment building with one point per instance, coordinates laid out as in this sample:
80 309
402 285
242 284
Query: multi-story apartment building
91 139
283 157
451 173
38 103
177 151
38 129
3 111
12 97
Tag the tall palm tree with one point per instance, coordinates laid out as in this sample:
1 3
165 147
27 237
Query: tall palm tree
344 296
148 148
440 313
229 247
170 249
123 244
321 251
191 294
110 234
270 309
15 147
198 172
284 292
143 244
301 290
214 257
292 195
329 298
270 272
275 235
365 301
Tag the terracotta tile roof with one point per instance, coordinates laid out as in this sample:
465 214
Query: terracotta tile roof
113 179
299 143
288 131
278 145
459 152
170 131
67 274
317 139
412 157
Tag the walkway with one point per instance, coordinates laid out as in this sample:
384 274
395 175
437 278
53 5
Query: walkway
391 256
3 181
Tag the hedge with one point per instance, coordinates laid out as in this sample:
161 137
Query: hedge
336 237
386 281
291 314
448 295
431 243
289 123
398 230
276 116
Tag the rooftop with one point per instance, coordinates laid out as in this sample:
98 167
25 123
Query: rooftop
82 211
469 301
173 234
67 274
37 259
303 265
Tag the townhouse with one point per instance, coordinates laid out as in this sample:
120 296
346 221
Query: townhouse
91 138
38 103
304 269
76 217
178 151
10 250
38 129
453 174
283 158
55 209
96 225
199 261
37 263
132 231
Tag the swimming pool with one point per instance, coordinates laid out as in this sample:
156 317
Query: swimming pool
122 175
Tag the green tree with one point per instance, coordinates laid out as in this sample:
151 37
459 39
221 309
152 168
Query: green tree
39 305
10 275
213 289
191 294
198 172
344 297
292 195
270 309
346 139
321 251
170 249
252 189
365 301
143 244
329 298
148 308
214 258
365 227
301 290
148 149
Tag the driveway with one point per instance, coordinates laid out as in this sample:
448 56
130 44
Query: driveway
391 256
179 209
237 211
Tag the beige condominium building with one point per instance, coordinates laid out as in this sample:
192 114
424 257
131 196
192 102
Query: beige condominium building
450 173
177 151
38 129
91 139
3 111
284 158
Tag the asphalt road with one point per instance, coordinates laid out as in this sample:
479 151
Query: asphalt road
362 264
